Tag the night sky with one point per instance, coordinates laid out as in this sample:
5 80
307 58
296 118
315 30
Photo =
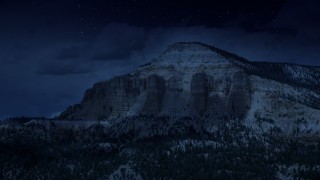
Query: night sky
51 51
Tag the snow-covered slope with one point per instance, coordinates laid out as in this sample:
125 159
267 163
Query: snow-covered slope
195 79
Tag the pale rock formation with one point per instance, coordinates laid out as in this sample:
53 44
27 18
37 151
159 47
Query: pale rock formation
194 79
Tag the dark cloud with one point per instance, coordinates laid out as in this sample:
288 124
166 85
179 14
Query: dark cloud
68 62
114 46
118 42
69 53
63 69
300 16
304 19
116 54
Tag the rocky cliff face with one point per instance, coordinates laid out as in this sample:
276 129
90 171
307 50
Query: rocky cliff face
155 91
194 79
199 92
239 97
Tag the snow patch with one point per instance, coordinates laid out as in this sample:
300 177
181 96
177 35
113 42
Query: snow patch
183 144
125 172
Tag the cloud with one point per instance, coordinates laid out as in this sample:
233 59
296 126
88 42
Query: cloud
302 17
54 59
68 61
69 53
116 54
118 42
64 68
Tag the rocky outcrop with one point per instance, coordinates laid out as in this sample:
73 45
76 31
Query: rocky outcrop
155 92
176 100
121 95
107 99
239 97
199 92
191 79
175 84
188 86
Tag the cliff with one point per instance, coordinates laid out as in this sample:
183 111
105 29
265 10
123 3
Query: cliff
194 79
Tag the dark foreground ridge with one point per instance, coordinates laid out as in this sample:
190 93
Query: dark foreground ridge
124 151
